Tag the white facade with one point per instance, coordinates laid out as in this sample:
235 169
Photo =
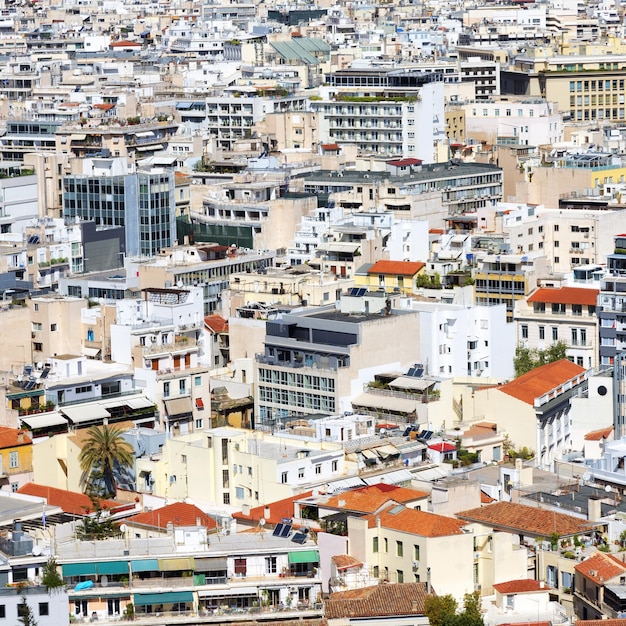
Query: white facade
409 240
531 122
465 341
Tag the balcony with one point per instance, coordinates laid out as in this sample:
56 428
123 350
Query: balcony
184 344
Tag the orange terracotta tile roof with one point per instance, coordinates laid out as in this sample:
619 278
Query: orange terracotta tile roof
598 435
369 499
565 295
601 622
216 323
528 623
396 268
485 499
601 567
104 107
523 585
345 561
12 437
70 502
330 146
415 522
277 510
378 601
540 380
125 43
529 520
178 514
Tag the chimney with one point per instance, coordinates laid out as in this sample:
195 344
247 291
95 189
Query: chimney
594 509
428 586
541 584
20 436
198 522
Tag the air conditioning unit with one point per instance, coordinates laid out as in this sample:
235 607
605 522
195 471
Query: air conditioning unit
416 565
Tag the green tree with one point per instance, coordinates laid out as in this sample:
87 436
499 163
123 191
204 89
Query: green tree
527 359
25 615
443 610
105 453
51 579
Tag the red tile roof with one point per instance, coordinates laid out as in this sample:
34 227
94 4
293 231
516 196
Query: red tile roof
442 446
104 107
70 502
598 435
216 323
345 561
529 520
12 437
378 601
277 510
125 44
540 380
415 522
396 268
404 162
523 585
565 295
485 499
178 514
601 622
330 146
369 499
601 567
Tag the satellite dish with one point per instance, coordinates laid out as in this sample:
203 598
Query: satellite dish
608 489
36 550
123 528
586 476
262 522
104 580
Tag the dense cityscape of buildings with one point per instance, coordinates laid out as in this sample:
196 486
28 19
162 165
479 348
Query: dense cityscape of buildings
340 292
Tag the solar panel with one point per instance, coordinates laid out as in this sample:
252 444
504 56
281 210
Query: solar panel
45 372
428 434
278 530
299 538
286 530
411 372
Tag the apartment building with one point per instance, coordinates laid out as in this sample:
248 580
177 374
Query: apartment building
612 304
143 203
315 361
29 135
383 111
566 314
505 278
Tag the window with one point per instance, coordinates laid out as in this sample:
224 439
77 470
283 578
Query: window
334 466
53 328
556 228
15 487
44 608
13 459
577 309
542 332
400 575
166 390
318 468
271 565
374 544
283 478
226 498
239 493
555 333
524 331
197 381
301 472
416 552
386 544
199 424
182 386
399 548
3 610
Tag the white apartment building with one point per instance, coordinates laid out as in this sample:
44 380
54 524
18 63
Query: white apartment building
566 314
457 340
569 238
529 121
373 109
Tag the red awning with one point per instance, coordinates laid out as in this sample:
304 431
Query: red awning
199 403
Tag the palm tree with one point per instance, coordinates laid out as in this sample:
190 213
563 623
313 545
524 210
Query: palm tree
104 453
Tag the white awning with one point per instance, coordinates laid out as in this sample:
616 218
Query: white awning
410 382
385 403
138 403
218 593
339 246
44 420
77 137
90 351
156 146
369 454
145 133
179 406
391 478
387 451
85 412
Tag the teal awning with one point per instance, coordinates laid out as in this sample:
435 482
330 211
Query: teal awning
168 597
145 565
112 567
304 556
79 569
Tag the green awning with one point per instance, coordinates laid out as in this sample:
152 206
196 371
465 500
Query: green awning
144 565
167 597
176 565
304 556
79 569
112 567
